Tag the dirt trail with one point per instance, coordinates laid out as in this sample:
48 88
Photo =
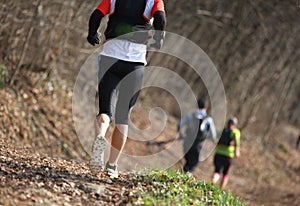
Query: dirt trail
29 178
34 179
254 192
260 177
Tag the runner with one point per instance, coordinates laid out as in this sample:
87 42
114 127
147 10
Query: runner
122 54
197 127
227 149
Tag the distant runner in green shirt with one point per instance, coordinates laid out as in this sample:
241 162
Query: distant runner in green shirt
227 149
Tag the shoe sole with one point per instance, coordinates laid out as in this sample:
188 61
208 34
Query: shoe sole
97 159
110 175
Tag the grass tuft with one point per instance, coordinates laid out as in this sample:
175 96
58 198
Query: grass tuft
3 75
168 187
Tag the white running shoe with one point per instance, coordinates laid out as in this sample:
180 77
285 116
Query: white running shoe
97 159
111 170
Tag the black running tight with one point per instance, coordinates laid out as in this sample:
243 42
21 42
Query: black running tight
120 83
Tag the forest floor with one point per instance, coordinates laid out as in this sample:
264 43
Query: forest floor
30 178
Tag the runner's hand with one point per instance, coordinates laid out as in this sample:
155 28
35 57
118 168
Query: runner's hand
157 44
237 153
159 40
93 39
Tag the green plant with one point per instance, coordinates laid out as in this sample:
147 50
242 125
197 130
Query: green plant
167 187
3 75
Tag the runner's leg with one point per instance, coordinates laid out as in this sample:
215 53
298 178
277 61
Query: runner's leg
192 159
106 88
128 93
218 166
225 172
118 141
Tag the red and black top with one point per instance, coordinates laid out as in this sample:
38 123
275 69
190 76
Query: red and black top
128 12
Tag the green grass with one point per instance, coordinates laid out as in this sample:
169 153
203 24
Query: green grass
167 187
3 75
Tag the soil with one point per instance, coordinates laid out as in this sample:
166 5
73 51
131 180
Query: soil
29 178
35 178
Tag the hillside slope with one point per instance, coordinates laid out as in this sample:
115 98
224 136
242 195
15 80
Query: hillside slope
255 46
34 179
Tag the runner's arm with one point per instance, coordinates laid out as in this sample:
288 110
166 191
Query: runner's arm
159 23
237 137
95 20
237 152
184 121
212 129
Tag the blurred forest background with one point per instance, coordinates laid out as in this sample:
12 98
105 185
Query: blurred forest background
254 44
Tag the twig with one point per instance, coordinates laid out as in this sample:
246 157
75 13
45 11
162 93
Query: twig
261 17
218 14
12 78
10 82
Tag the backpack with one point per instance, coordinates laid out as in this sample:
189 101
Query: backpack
201 135
189 141
225 137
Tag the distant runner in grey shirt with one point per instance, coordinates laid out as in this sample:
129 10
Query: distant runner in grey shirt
195 128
